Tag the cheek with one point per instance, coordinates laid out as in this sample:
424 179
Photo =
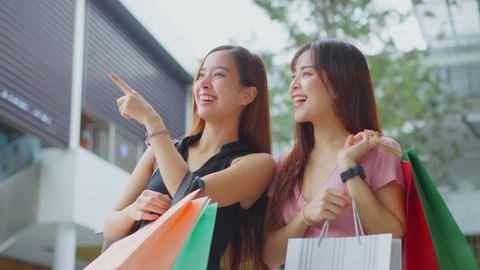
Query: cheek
196 91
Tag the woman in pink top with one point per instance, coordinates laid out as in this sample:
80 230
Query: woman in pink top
333 159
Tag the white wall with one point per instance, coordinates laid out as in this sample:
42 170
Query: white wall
77 186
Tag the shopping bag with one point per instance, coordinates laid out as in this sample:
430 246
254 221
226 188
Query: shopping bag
432 239
451 248
195 252
372 252
418 251
156 245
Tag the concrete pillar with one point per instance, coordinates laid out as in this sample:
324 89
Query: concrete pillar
65 247
77 74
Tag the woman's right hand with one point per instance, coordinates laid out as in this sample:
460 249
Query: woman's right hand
327 205
148 206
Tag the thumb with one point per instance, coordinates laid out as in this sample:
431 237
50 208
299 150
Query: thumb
350 141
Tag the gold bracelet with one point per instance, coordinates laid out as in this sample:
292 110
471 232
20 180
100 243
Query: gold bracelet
304 218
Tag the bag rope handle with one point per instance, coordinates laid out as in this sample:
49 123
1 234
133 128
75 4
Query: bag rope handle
356 223
390 148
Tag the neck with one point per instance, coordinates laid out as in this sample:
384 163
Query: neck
330 135
214 136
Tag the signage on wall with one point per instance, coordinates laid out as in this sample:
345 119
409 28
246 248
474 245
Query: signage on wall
6 96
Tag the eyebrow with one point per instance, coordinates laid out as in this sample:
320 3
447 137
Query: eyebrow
217 67
305 67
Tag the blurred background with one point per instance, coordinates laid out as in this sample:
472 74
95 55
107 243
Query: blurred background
66 154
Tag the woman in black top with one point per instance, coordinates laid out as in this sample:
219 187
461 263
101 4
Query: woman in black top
226 152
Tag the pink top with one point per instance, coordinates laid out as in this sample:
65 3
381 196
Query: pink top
381 167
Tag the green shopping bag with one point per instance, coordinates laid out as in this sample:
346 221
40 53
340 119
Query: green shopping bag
451 247
195 252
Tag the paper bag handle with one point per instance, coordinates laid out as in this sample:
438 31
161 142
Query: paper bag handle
389 148
356 223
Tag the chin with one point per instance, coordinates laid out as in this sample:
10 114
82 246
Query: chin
298 118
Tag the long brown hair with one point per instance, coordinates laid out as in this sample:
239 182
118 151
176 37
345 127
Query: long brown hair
245 249
346 70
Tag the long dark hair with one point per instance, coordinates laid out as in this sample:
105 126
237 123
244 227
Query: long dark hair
346 69
245 249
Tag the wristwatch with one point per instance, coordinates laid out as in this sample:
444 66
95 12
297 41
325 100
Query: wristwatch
352 172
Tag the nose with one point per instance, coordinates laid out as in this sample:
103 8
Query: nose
293 85
204 82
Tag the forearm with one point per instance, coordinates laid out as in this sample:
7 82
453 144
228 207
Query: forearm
374 216
275 249
170 163
117 225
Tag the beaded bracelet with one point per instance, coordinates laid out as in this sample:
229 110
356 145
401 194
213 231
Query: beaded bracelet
149 135
304 218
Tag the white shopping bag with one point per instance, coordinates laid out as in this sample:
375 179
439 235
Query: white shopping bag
369 252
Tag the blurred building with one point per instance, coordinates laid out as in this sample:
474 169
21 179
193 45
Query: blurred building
65 153
452 32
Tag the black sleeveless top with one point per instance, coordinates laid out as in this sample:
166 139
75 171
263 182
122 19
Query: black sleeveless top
229 218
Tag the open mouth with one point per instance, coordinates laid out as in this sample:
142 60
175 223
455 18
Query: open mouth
299 100
207 98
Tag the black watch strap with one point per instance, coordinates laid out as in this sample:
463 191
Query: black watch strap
352 172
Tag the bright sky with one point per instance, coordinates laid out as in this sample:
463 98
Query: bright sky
188 29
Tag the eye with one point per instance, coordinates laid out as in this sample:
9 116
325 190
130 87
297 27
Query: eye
200 75
293 76
218 74
306 74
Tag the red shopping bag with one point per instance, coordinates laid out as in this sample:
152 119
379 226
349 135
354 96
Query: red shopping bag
156 245
418 250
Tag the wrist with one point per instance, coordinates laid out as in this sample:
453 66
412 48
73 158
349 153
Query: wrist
305 220
129 212
346 164
351 172
153 121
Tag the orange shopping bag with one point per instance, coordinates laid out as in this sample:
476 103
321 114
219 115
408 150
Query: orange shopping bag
156 245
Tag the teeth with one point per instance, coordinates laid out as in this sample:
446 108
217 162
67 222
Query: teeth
205 97
299 98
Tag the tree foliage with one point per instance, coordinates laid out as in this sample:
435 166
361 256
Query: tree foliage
412 99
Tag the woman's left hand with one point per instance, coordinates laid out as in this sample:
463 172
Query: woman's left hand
355 148
132 105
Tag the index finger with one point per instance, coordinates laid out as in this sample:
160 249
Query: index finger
123 86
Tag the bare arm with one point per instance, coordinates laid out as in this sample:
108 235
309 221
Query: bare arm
327 205
135 203
244 181
382 211
275 248
133 106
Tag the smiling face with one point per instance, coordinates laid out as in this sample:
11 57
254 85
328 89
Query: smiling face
313 98
218 91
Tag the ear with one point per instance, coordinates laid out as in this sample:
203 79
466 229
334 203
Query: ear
249 94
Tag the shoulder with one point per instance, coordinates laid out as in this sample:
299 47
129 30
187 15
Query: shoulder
390 141
382 165
256 165
380 151
261 159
